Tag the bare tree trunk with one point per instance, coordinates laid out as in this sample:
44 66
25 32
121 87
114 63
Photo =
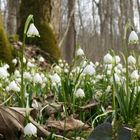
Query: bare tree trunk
71 35
13 6
55 16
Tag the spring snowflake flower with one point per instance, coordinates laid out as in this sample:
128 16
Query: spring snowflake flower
3 73
27 76
31 65
89 69
17 73
6 66
55 78
131 60
133 38
37 78
79 52
13 87
117 59
32 31
79 93
41 59
108 59
30 130
135 75
14 61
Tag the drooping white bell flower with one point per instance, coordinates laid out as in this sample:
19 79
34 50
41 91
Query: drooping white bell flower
79 52
30 130
117 59
131 60
89 69
37 78
108 59
133 38
32 31
79 93
31 65
13 87
14 61
3 73
135 75
27 76
55 78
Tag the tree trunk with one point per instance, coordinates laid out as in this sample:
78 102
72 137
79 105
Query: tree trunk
41 9
13 6
55 17
71 34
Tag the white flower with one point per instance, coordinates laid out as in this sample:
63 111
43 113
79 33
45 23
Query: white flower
89 70
24 60
41 59
108 66
108 59
6 66
80 93
119 66
31 65
117 59
116 78
32 31
79 52
14 61
57 69
37 78
30 130
3 73
133 38
27 76
13 87
135 75
55 78
17 73
131 60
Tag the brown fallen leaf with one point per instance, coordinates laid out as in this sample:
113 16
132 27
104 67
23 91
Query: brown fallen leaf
68 125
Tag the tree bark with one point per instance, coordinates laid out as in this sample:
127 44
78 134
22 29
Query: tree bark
71 35
13 6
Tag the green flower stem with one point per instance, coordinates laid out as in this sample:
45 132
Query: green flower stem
22 71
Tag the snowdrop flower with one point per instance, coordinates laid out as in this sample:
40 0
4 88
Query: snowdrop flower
108 72
133 38
14 61
108 89
131 60
31 65
117 59
30 130
41 59
116 78
37 78
24 60
13 87
55 78
27 76
108 59
96 64
17 73
119 66
32 31
57 69
79 52
6 66
108 66
90 70
3 73
79 93
134 75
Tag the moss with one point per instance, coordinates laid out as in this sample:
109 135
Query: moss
41 10
5 47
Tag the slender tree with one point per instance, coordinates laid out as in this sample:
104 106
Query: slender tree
71 34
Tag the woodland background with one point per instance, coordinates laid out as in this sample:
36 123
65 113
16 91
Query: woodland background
95 25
